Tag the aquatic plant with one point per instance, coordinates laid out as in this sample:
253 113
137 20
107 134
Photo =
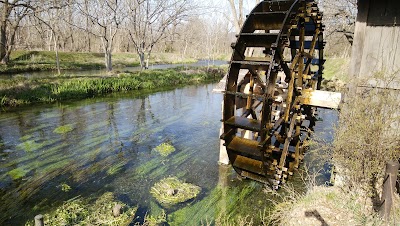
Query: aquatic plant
115 168
63 129
17 173
79 211
65 187
171 190
164 149
31 145
220 205
150 220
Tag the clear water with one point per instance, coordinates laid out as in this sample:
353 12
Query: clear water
110 148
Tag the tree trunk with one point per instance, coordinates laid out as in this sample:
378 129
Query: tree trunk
10 47
147 60
57 57
141 58
3 30
108 60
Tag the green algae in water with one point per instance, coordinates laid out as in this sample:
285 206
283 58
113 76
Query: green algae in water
115 168
221 203
31 145
171 190
17 173
164 149
64 129
65 187
26 137
150 220
79 211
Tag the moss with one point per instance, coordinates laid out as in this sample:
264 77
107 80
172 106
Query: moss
171 190
79 211
164 149
17 173
64 129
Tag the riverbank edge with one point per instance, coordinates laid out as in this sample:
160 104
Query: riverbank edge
330 205
21 91
34 61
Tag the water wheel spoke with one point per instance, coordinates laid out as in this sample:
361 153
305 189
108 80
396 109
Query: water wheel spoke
263 117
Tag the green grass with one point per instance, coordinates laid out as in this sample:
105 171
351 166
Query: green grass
25 61
21 90
336 68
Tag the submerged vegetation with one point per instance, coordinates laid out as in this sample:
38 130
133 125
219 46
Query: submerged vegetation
164 149
64 129
79 211
171 190
20 90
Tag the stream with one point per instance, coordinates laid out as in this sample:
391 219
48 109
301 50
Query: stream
100 72
107 145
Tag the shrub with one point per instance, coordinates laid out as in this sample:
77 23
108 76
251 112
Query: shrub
367 135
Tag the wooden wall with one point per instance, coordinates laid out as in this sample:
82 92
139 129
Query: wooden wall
376 47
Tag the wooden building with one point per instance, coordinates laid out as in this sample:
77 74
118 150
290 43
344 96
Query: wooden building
376 46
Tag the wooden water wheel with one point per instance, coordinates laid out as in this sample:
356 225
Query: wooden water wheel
276 64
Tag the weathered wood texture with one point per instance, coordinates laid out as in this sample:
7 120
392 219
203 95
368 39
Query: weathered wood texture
376 47
392 170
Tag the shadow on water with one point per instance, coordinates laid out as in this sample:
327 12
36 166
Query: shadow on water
106 144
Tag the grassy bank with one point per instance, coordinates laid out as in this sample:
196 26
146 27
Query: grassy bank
21 90
336 68
330 206
24 61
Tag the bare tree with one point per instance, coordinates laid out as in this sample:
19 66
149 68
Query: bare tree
237 14
238 11
105 17
339 19
12 13
148 21
52 19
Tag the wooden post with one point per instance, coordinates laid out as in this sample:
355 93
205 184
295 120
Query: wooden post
392 168
39 221
223 154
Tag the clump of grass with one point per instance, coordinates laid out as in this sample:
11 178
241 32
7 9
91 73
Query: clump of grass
64 129
171 190
164 149
80 212
18 91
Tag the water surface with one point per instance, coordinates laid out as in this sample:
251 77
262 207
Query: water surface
107 145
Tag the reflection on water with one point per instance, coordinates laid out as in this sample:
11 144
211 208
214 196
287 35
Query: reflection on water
101 72
106 144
